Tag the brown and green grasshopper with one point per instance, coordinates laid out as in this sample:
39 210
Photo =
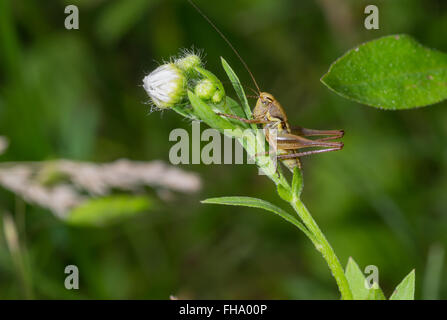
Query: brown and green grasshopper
290 141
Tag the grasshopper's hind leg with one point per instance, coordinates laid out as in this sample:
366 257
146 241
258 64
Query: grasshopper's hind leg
307 153
294 143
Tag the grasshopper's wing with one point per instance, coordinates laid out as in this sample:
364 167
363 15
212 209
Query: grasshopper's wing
287 141
331 134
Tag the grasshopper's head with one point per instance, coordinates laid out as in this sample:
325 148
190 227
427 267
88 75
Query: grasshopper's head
266 98
263 105
268 108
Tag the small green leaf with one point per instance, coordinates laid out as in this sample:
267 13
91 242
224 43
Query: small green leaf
297 182
405 289
106 210
206 113
393 72
375 293
284 193
239 89
356 280
262 204
184 112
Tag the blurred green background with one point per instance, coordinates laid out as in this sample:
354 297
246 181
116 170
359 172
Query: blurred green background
77 94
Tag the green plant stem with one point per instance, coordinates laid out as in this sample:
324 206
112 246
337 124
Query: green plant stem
253 144
325 248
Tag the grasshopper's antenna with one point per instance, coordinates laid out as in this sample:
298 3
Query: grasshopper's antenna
227 41
247 87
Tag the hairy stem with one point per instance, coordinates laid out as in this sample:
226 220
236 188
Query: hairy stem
324 247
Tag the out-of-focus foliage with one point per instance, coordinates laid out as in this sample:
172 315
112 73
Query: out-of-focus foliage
106 210
77 94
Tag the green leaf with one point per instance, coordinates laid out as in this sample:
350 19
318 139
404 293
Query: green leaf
184 112
206 113
262 204
239 89
375 293
284 193
405 289
393 72
236 110
297 182
106 210
356 280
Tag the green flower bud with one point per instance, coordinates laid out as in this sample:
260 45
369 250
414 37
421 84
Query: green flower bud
189 62
165 86
205 89
217 97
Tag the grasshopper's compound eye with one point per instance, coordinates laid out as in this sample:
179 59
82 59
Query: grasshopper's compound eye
267 99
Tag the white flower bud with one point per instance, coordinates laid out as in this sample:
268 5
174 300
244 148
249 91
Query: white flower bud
165 86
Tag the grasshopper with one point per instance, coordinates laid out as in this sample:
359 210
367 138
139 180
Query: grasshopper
268 112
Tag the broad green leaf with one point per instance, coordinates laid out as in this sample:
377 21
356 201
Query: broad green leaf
239 89
262 204
356 280
405 289
393 72
297 182
106 210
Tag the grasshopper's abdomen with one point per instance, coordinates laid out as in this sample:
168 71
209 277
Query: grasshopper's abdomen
281 127
291 163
